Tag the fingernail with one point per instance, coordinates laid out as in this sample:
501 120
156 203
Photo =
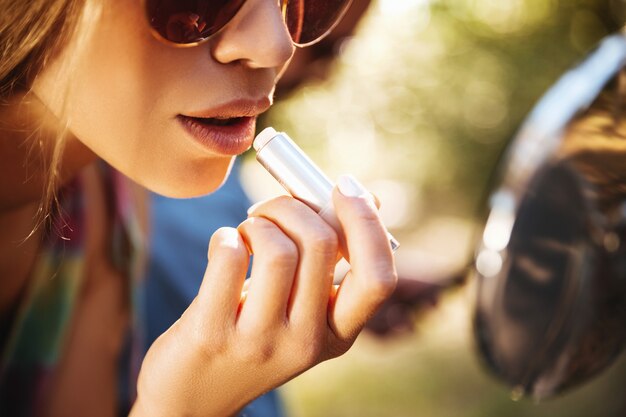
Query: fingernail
230 238
350 187
253 207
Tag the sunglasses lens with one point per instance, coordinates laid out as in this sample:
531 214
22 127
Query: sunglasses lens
190 21
309 20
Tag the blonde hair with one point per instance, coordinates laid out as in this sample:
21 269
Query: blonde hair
32 33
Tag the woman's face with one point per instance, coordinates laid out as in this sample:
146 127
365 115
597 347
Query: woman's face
137 102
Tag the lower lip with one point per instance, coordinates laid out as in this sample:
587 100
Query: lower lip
232 139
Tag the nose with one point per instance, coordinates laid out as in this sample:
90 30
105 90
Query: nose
257 37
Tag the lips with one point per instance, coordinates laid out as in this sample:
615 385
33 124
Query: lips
227 129
223 136
217 122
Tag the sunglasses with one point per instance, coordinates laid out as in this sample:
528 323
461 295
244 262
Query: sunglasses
191 22
551 265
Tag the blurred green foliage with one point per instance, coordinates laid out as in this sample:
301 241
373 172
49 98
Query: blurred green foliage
435 373
429 92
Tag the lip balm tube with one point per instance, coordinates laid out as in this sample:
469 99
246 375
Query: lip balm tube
299 175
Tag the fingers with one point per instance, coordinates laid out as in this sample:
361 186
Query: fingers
294 257
317 245
372 277
221 286
273 270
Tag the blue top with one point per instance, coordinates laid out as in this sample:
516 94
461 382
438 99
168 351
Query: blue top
180 231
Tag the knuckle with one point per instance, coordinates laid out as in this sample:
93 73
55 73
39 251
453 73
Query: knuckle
271 244
260 226
366 212
324 241
283 199
369 216
255 328
283 253
258 352
340 347
310 348
248 225
269 204
312 353
381 286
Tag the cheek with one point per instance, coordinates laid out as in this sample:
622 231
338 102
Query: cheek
120 106
112 107
113 93
123 126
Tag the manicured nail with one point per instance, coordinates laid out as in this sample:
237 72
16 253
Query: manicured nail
350 187
230 239
253 207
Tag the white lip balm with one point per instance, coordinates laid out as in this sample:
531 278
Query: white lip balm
299 175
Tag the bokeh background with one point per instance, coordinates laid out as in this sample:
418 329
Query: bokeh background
419 105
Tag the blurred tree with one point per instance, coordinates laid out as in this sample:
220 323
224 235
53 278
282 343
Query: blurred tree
428 92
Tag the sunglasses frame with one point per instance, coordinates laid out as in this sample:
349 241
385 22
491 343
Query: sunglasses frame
283 9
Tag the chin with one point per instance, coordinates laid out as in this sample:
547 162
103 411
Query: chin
190 183
190 191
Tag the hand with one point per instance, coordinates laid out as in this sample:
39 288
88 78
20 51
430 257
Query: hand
227 349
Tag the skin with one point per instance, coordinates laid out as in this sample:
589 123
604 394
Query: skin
232 344
142 84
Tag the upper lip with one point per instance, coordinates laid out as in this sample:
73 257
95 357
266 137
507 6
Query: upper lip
244 107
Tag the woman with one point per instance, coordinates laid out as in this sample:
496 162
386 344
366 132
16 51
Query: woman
166 93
